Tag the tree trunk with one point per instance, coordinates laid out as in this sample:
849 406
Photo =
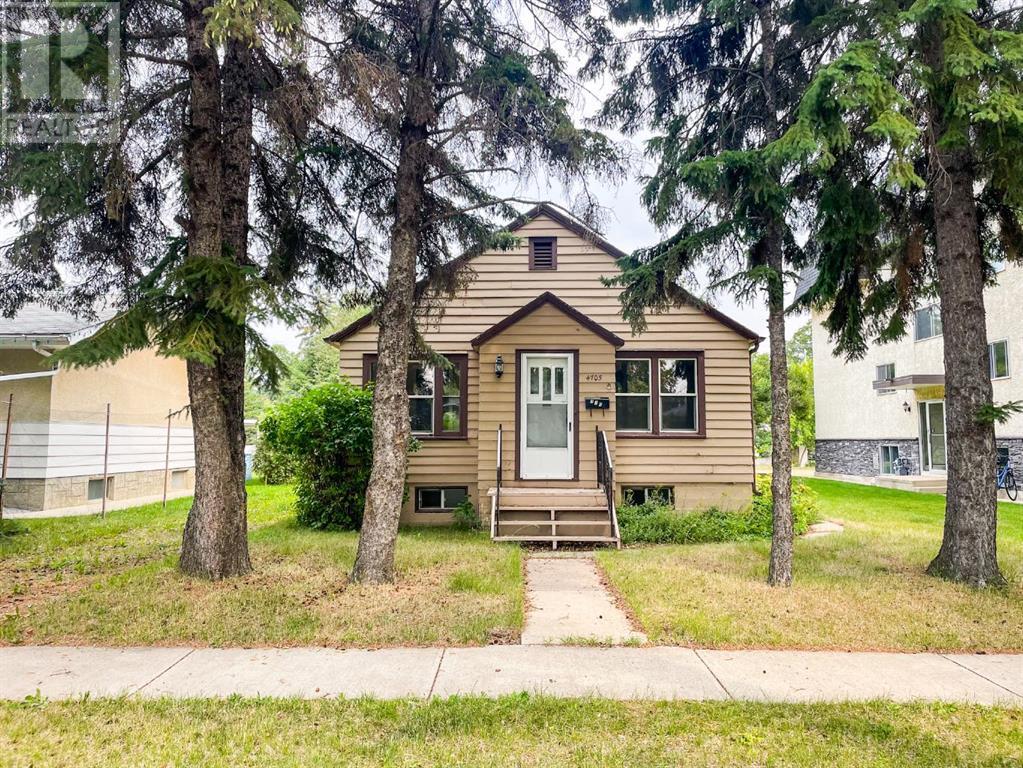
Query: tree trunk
780 569
374 561
215 541
968 548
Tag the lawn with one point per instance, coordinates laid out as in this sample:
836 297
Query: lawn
864 589
87 580
516 730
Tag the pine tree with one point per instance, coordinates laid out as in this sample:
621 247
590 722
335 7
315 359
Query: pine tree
451 94
916 135
215 108
718 82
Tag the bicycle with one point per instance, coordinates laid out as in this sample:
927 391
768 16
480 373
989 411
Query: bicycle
1006 481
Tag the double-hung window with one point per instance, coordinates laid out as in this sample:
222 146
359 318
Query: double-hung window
436 395
927 323
659 393
998 359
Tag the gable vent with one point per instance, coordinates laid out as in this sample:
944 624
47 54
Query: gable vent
543 253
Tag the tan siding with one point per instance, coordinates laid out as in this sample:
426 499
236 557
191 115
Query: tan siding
502 283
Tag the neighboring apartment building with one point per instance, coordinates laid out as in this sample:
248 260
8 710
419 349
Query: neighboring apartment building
883 416
59 420
553 409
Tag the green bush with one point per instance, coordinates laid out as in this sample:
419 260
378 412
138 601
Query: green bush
660 524
271 466
327 432
466 517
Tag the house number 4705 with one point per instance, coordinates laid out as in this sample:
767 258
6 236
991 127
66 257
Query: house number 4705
594 377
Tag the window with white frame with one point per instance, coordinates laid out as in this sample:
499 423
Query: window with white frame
436 395
998 359
885 372
649 494
927 323
889 459
658 393
442 499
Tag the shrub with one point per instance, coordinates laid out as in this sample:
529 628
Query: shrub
327 432
659 524
271 466
466 517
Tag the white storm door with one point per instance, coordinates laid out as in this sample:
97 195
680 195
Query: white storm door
546 400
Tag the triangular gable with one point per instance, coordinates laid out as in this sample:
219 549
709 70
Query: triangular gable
543 300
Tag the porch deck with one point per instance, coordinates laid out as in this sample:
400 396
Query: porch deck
554 515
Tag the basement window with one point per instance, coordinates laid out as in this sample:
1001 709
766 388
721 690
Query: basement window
96 488
648 494
442 499
179 479
889 459
543 253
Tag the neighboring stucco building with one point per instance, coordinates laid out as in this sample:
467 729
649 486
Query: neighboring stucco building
58 424
549 383
883 416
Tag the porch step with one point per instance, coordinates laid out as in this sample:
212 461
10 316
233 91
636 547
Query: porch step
559 539
553 507
554 515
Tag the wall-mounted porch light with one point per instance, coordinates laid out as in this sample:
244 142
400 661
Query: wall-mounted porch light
499 366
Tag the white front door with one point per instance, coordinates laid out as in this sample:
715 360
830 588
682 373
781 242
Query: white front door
547 445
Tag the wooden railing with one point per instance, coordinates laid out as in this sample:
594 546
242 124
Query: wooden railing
606 480
495 508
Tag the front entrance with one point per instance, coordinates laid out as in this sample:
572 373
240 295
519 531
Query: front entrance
546 415
932 436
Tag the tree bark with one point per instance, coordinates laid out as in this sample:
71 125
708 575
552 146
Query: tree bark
216 156
374 561
780 568
968 550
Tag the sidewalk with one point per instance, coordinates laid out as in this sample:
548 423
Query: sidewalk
615 673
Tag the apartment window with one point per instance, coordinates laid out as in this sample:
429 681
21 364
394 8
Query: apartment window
659 393
927 322
649 494
1003 455
543 253
885 372
998 359
889 459
436 395
442 499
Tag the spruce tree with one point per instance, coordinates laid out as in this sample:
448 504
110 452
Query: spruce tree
915 134
718 83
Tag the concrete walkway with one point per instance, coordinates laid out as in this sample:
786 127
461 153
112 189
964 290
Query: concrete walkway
567 602
616 673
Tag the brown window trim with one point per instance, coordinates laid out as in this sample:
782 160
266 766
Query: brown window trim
462 361
655 391
435 510
554 254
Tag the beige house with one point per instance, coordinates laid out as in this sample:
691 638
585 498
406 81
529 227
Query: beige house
881 418
552 411
59 435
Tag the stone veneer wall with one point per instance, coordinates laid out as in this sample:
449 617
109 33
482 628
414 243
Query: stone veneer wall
862 457
1015 446
60 492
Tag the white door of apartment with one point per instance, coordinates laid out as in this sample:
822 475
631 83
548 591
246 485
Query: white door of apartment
546 413
932 436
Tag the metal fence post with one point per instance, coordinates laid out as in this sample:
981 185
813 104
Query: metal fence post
7 453
166 461
106 459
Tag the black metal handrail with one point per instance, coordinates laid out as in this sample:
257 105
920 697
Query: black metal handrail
606 479
497 491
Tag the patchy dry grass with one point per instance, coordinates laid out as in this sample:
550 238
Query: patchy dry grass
114 582
858 590
516 730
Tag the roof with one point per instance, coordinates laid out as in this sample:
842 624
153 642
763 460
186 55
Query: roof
576 227
38 320
806 280
544 299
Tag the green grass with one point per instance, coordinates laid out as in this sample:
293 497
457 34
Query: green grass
862 589
113 582
517 730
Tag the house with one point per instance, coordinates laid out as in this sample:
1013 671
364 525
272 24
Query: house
552 411
882 418
59 436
